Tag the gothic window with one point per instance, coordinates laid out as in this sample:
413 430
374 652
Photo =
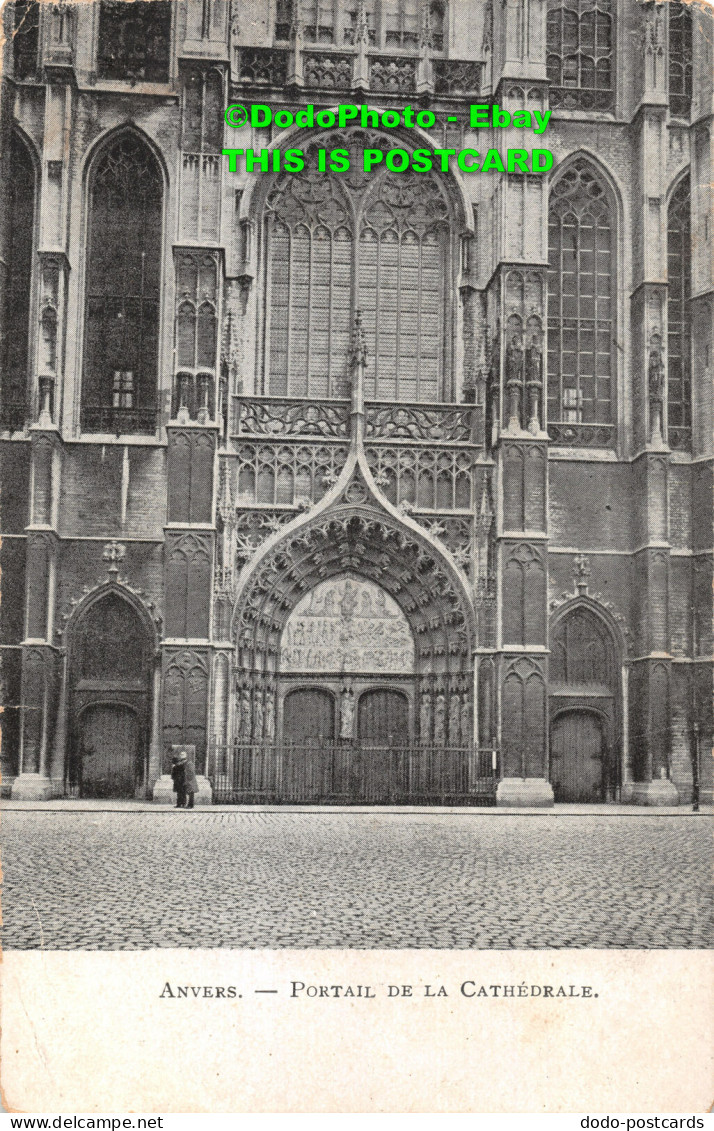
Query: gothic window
401 23
580 43
680 58
679 381
201 143
582 651
319 21
26 37
196 331
17 309
581 293
134 40
202 125
123 282
310 280
401 280
394 270
284 15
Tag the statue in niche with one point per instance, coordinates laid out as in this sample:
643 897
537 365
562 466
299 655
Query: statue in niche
425 718
244 716
655 383
465 722
328 604
454 718
258 714
270 714
440 719
514 380
514 360
347 713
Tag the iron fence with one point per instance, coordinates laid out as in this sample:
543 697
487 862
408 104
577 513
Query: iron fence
350 774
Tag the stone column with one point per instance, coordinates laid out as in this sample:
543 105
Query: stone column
517 316
650 671
40 657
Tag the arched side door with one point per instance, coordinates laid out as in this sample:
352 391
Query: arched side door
578 755
110 657
110 762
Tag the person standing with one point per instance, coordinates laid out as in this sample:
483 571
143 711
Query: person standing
190 784
178 776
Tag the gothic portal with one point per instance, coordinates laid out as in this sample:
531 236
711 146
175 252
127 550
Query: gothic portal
371 486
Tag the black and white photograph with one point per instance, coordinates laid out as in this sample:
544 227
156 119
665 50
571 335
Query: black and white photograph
357 502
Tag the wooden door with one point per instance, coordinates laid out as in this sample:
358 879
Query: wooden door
110 763
577 757
383 718
382 759
309 717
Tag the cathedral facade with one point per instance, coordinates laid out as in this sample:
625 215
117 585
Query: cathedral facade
369 485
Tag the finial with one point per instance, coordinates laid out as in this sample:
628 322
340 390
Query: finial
582 573
113 553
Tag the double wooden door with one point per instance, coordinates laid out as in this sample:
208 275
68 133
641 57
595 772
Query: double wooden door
371 765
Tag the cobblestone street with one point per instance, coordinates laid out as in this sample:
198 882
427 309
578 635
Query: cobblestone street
135 880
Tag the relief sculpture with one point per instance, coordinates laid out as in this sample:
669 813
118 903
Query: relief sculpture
347 624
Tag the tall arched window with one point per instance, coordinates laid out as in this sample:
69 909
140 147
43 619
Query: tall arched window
123 283
380 245
581 310
580 44
21 207
680 58
134 40
679 380
401 277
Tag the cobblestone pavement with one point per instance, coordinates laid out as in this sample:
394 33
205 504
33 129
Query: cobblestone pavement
135 880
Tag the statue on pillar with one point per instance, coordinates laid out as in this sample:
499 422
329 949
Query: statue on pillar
534 384
514 380
455 719
440 719
270 714
244 716
425 718
347 713
655 386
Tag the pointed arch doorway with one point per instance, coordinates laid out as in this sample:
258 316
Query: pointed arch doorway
110 650
346 689
585 705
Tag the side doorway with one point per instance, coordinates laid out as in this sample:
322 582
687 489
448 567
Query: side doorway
108 742
110 656
579 756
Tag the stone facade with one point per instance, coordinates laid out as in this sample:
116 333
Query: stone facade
486 397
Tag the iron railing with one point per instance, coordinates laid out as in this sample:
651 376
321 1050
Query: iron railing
352 774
